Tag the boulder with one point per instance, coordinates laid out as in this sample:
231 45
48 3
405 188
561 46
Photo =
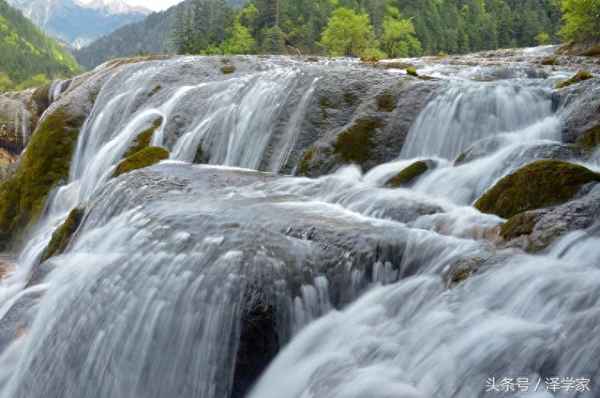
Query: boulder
144 158
537 229
540 184
409 175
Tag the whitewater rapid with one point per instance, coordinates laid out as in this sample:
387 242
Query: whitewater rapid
347 279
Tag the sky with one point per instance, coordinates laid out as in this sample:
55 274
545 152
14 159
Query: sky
155 5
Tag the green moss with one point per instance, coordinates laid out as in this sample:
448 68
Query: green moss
43 166
540 184
41 98
386 102
460 159
590 140
354 144
412 71
325 102
350 98
408 175
199 158
305 162
143 139
228 69
144 158
62 236
579 77
519 225
550 61
155 90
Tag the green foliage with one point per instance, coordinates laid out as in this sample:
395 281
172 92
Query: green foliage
240 41
543 38
581 20
540 184
348 33
5 82
398 39
28 57
139 160
62 236
273 40
408 175
43 166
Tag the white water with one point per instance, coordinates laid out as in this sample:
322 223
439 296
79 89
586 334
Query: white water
467 112
146 302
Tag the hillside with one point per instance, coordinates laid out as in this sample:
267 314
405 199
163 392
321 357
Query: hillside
148 36
27 54
76 22
386 28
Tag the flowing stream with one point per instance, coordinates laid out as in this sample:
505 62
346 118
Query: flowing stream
344 282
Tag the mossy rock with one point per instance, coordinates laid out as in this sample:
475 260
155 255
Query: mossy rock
62 236
43 166
144 158
590 140
354 144
519 225
580 76
143 139
549 61
412 71
463 270
228 69
409 175
593 51
540 184
386 102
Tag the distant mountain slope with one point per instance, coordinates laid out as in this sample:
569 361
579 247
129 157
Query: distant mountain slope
152 35
148 36
79 22
26 52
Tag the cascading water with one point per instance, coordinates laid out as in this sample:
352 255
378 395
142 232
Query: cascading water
186 280
467 112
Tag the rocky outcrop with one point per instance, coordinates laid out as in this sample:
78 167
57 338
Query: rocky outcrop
143 158
540 184
376 131
47 160
410 174
579 107
537 229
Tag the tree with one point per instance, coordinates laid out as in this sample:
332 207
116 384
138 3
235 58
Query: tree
273 41
5 83
543 38
240 41
348 33
398 38
581 20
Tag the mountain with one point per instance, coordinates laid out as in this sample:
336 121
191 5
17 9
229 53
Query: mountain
152 35
27 52
79 22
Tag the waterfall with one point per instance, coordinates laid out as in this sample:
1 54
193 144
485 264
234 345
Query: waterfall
189 280
522 320
467 112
